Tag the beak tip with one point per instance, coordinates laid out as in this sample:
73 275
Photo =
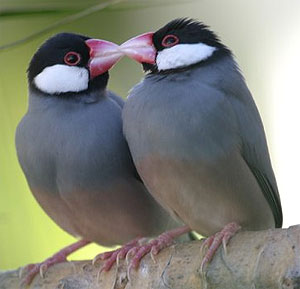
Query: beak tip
103 56
140 48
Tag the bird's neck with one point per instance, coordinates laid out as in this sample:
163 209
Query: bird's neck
219 73
40 101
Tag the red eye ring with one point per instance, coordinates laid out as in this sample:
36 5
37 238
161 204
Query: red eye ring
72 58
166 40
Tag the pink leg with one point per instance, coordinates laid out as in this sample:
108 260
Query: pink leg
138 250
59 257
213 242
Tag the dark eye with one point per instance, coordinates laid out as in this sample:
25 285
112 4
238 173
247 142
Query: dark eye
169 40
72 58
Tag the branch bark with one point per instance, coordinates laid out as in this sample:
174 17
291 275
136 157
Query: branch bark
264 259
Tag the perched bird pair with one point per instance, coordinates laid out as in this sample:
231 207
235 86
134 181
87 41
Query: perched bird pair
190 126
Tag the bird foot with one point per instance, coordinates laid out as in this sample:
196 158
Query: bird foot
113 257
28 272
31 270
213 242
138 248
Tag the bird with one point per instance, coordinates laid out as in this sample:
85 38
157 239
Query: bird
73 153
196 136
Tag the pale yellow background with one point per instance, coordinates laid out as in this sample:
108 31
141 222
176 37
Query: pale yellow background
265 37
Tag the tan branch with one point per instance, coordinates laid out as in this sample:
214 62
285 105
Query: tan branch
265 259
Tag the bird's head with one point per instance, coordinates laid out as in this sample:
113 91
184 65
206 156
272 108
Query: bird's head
72 63
178 45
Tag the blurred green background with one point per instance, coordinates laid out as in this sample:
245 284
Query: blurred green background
263 34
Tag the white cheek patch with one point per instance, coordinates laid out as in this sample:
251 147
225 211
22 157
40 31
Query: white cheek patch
182 55
62 78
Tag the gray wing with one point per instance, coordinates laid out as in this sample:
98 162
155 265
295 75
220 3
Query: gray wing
255 150
119 100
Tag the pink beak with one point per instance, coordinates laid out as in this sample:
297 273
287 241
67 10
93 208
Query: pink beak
103 55
140 48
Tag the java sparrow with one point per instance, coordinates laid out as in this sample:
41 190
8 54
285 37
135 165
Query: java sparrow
73 153
196 136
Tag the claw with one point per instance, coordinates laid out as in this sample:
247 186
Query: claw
40 268
118 260
215 241
206 244
152 256
21 272
128 274
43 269
95 260
224 245
131 252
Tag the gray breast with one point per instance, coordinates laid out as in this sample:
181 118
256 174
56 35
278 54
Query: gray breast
71 141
